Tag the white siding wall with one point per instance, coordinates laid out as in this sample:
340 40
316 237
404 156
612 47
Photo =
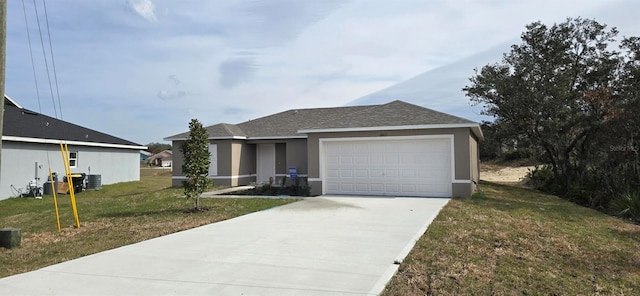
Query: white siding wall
18 164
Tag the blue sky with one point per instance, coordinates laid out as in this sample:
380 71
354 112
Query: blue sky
141 69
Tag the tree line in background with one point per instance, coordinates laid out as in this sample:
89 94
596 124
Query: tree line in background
568 95
156 148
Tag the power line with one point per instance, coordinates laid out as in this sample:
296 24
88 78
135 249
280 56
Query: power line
53 61
43 124
44 54
33 64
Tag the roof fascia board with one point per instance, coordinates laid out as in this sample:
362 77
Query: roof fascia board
12 101
478 132
79 143
277 137
389 128
242 138
209 138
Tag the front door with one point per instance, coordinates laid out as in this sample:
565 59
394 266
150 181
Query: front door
266 166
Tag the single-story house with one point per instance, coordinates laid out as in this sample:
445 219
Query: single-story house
31 145
395 149
162 159
144 156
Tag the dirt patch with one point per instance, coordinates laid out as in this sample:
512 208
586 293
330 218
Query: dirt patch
504 174
196 210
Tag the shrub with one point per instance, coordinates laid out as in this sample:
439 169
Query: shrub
541 178
627 206
521 153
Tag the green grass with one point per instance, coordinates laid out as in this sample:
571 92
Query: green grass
519 241
116 215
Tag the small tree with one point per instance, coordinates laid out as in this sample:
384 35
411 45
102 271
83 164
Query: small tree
197 159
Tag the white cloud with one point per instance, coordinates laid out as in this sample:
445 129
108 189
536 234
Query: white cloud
230 61
145 8
171 95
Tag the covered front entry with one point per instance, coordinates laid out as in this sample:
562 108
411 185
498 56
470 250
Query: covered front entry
398 166
266 163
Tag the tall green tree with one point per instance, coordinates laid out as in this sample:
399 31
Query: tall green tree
556 88
197 158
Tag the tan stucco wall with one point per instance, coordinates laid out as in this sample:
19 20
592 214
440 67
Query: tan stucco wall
243 163
225 157
461 190
462 156
475 158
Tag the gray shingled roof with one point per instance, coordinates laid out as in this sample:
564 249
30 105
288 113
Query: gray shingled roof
288 123
396 113
220 130
24 123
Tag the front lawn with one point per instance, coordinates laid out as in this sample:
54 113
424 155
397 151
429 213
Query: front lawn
114 216
519 241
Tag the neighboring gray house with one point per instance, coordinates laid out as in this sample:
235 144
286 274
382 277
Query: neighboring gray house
144 156
396 149
30 145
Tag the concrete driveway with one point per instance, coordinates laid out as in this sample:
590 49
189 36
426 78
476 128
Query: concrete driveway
319 246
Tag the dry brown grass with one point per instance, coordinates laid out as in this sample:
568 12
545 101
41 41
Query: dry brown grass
114 216
518 241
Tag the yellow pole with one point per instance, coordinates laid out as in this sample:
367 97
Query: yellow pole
71 190
55 199
65 159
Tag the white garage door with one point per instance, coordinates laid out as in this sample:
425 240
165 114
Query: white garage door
400 167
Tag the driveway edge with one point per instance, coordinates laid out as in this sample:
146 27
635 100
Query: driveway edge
393 268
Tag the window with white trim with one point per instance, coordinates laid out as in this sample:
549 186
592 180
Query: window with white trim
73 159
213 167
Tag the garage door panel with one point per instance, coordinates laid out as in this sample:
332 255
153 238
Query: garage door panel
409 188
392 188
392 159
415 167
332 159
441 145
409 173
346 160
333 187
361 160
376 188
441 189
424 188
332 173
346 187
362 187
376 173
345 148
391 173
362 173
346 173
376 159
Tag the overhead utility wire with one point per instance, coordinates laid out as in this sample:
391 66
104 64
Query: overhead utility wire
43 124
33 64
44 53
53 61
